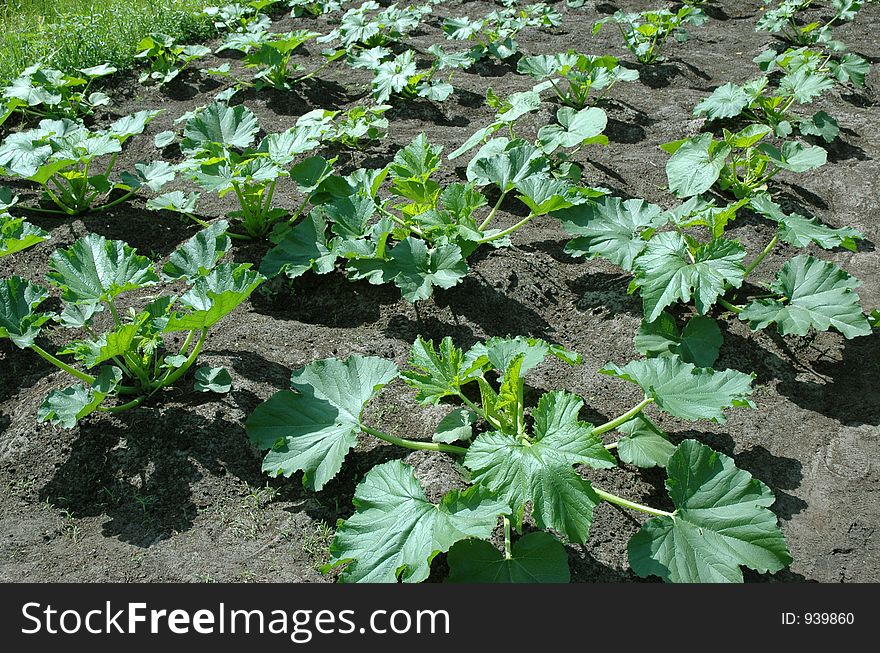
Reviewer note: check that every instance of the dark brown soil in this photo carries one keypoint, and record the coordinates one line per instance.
(173, 491)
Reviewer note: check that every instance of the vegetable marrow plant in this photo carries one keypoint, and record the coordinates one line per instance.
(645, 33)
(522, 462)
(125, 359)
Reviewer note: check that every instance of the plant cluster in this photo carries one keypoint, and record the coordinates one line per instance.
(521, 462)
(786, 19)
(166, 57)
(645, 34)
(574, 76)
(126, 359)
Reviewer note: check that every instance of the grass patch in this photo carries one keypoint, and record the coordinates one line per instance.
(74, 34)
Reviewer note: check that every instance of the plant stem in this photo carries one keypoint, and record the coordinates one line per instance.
(508, 554)
(172, 377)
(730, 307)
(625, 503)
(109, 205)
(760, 257)
(418, 232)
(413, 444)
(485, 223)
(623, 419)
(82, 376)
(508, 231)
(479, 411)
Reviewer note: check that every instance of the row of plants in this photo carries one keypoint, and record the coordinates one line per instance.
(399, 224)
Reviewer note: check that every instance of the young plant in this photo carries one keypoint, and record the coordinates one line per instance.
(646, 33)
(49, 93)
(358, 126)
(742, 162)
(15, 233)
(66, 160)
(573, 76)
(240, 16)
(495, 34)
(367, 27)
(784, 19)
(125, 360)
(808, 74)
(420, 236)
(521, 461)
(166, 57)
(299, 8)
(685, 255)
(399, 74)
(220, 157)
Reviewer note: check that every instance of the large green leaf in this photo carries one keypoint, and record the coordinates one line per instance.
(801, 231)
(198, 255)
(668, 272)
(303, 248)
(113, 343)
(19, 321)
(721, 522)
(542, 472)
(97, 269)
(795, 156)
(535, 558)
(726, 101)
(611, 228)
(16, 234)
(220, 125)
(23, 153)
(314, 428)
(684, 390)
(513, 164)
(396, 531)
(698, 342)
(416, 270)
(695, 165)
(438, 373)
(214, 296)
(815, 294)
(574, 128)
(643, 443)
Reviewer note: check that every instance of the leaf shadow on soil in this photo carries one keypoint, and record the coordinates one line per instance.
(19, 369)
(191, 83)
(141, 474)
(425, 111)
(842, 389)
(605, 295)
(657, 75)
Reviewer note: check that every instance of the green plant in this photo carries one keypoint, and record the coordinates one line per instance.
(49, 93)
(129, 357)
(783, 19)
(808, 75)
(64, 158)
(646, 33)
(313, 7)
(367, 27)
(166, 57)
(220, 157)
(573, 76)
(399, 75)
(742, 162)
(358, 125)
(517, 462)
(495, 34)
(240, 16)
(696, 260)
(421, 234)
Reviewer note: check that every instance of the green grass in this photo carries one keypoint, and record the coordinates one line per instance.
(73, 34)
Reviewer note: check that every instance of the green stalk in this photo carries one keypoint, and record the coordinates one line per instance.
(760, 257)
(82, 376)
(485, 223)
(413, 444)
(625, 503)
(119, 200)
(623, 419)
(123, 407)
(172, 377)
(478, 410)
(730, 307)
(508, 553)
(418, 232)
(508, 231)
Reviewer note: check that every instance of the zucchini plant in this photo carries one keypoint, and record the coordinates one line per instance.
(645, 34)
(573, 76)
(370, 25)
(399, 74)
(166, 58)
(49, 93)
(420, 235)
(494, 35)
(240, 16)
(299, 8)
(786, 19)
(520, 461)
(125, 360)
(808, 74)
(684, 255)
(67, 161)
(218, 144)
